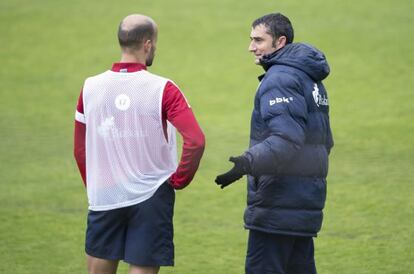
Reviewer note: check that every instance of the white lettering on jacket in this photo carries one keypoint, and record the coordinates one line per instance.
(279, 100)
(319, 99)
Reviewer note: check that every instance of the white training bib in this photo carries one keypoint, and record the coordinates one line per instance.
(127, 154)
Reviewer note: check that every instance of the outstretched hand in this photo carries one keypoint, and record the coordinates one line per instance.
(241, 167)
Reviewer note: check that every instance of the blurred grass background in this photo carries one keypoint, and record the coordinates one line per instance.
(48, 48)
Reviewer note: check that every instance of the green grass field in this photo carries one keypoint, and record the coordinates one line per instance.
(47, 48)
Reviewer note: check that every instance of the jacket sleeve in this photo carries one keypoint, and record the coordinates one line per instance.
(283, 108)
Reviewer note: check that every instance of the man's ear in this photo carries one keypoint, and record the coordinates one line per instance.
(147, 45)
(280, 42)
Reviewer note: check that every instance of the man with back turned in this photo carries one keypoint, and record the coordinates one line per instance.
(125, 147)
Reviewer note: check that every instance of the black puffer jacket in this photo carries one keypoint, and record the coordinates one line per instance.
(290, 141)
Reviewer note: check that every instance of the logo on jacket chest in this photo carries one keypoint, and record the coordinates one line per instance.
(319, 99)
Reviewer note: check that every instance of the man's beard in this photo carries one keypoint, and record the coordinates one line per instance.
(150, 58)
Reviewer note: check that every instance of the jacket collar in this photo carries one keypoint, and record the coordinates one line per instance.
(268, 60)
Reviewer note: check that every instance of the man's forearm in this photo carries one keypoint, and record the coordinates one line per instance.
(193, 148)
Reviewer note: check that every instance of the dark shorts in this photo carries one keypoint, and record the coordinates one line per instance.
(282, 254)
(141, 234)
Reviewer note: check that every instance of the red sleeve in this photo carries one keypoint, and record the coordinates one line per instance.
(177, 111)
(79, 139)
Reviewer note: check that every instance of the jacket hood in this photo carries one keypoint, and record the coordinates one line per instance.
(300, 56)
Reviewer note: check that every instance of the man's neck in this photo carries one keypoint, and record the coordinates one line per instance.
(132, 58)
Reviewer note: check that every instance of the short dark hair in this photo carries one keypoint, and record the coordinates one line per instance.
(277, 25)
(134, 37)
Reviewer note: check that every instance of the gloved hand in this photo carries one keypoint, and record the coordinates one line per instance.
(241, 167)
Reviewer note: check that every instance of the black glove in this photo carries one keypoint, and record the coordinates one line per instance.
(241, 167)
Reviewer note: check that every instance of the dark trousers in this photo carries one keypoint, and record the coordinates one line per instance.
(279, 254)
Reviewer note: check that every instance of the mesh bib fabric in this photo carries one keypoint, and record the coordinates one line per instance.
(127, 154)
